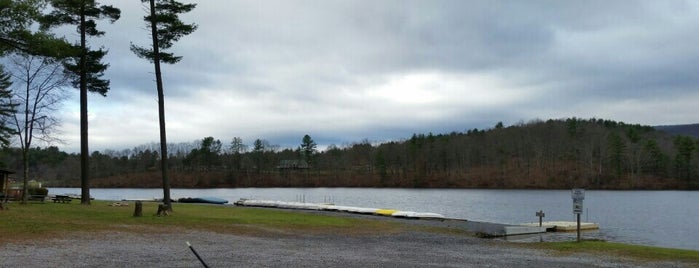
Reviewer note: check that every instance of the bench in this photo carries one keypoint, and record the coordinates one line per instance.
(62, 199)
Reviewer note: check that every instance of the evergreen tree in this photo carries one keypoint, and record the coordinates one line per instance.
(86, 67)
(7, 108)
(308, 149)
(16, 19)
(166, 28)
(258, 149)
(683, 159)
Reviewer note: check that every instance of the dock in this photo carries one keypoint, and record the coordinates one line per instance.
(484, 229)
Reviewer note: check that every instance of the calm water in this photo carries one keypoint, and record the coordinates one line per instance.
(657, 218)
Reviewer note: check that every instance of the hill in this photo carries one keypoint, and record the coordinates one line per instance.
(691, 130)
(552, 154)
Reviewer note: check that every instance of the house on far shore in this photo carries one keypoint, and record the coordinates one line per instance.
(292, 165)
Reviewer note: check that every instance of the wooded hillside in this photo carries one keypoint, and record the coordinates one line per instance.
(553, 154)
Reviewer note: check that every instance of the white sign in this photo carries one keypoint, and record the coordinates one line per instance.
(578, 206)
(578, 194)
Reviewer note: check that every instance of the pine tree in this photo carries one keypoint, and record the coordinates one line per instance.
(308, 149)
(166, 29)
(86, 67)
(7, 108)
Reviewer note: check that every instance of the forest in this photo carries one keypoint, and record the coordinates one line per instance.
(552, 154)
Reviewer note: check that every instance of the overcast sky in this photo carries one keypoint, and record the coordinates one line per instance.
(344, 71)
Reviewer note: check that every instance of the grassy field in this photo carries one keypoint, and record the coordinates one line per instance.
(50, 220)
(47, 220)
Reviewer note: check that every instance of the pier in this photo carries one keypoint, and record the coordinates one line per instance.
(485, 229)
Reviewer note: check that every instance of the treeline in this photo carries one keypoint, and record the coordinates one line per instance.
(553, 154)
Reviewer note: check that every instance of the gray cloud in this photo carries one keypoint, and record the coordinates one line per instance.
(343, 71)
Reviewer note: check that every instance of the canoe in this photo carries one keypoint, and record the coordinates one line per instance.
(207, 200)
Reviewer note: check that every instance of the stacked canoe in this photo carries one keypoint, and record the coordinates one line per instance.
(331, 207)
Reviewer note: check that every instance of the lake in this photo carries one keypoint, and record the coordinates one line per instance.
(656, 218)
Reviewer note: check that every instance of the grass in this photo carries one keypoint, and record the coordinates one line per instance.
(644, 253)
(50, 220)
(47, 220)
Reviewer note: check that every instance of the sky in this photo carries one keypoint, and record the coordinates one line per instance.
(347, 71)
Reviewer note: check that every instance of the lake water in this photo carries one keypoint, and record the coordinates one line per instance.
(656, 218)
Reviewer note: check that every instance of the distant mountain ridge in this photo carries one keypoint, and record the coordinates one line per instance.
(691, 130)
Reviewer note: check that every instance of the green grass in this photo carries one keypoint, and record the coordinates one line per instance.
(46, 220)
(645, 253)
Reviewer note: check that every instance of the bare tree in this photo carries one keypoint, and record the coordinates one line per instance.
(40, 89)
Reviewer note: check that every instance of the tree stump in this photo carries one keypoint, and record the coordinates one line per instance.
(162, 210)
(138, 211)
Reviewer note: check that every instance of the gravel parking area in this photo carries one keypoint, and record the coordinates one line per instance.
(405, 249)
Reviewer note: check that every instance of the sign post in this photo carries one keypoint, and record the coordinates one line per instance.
(578, 196)
(540, 214)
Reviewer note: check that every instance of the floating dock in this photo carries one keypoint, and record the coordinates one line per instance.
(485, 229)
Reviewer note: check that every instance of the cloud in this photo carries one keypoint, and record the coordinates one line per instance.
(343, 71)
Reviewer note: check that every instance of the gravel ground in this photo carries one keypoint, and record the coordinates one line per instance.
(406, 249)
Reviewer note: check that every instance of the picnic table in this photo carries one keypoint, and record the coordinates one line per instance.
(62, 199)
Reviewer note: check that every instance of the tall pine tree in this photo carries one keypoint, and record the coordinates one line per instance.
(166, 28)
(7, 108)
(86, 68)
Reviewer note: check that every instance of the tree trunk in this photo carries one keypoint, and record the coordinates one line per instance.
(161, 108)
(84, 152)
(138, 210)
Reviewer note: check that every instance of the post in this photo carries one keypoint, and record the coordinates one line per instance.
(138, 211)
(578, 226)
(578, 196)
(540, 214)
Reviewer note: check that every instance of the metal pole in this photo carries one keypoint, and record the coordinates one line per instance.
(578, 226)
(197, 254)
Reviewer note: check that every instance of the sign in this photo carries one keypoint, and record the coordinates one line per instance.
(578, 194)
(540, 214)
(578, 206)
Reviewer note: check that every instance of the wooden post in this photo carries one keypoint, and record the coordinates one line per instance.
(138, 211)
